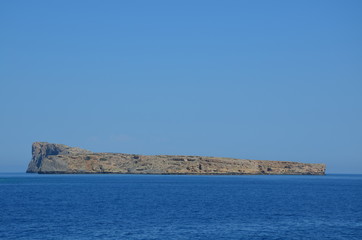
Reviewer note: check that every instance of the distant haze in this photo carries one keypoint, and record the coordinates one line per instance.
(267, 80)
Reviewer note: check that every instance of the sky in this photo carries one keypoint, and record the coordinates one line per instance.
(267, 80)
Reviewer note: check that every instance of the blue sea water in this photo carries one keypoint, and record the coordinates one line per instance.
(180, 207)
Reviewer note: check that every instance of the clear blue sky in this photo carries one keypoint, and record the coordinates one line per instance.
(273, 80)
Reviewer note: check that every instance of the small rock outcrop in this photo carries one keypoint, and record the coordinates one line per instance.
(59, 158)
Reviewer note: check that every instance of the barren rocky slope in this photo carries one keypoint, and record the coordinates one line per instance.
(59, 158)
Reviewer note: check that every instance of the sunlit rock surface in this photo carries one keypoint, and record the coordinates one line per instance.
(59, 158)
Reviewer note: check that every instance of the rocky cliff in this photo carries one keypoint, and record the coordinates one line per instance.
(59, 158)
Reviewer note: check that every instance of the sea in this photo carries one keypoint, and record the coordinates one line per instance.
(111, 206)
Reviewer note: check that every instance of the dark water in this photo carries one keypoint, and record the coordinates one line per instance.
(180, 207)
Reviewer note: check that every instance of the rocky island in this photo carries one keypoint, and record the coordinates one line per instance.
(59, 158)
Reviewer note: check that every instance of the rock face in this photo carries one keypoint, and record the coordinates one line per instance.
(59, 158)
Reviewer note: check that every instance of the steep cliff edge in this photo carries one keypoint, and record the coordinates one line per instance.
(59, 158)
(43, 160)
